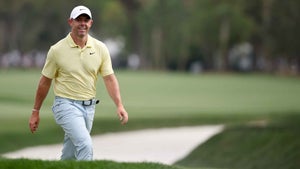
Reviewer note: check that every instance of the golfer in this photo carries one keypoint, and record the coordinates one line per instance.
(74, 64)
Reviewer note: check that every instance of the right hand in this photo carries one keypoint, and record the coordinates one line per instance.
(34, 121)
(123, 115)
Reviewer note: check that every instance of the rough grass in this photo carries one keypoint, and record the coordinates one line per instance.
(38, 164)
(269, 145)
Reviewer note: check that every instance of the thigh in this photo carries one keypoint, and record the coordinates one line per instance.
(90, 112)
(75, 129)
(71, 119)
(63, 110)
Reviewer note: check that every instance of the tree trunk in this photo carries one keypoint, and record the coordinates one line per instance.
(224, 40)
(131, 7)
(156, 41)
(266, 19)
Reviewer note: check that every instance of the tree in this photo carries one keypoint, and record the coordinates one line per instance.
(276, 29)
(131, 7)
(164, 33)
(218, 25)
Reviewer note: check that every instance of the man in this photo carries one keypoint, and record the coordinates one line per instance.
(74, 63)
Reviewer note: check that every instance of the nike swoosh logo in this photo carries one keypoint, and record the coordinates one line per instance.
(91, 53)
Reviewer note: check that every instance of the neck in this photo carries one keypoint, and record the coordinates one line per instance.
(80, 41)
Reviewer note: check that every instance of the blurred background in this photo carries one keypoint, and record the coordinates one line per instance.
(181, 35)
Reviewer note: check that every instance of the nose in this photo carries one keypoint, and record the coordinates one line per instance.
(82, 22)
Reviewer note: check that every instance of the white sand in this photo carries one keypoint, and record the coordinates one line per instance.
(164, 145)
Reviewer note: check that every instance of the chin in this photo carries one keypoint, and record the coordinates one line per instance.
(82, 34)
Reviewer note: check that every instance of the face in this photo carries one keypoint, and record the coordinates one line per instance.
(80, 26)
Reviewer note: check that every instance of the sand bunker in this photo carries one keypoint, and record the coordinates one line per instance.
(164, 145)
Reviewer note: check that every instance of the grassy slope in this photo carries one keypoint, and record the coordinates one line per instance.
(159, 100)
(272, 146)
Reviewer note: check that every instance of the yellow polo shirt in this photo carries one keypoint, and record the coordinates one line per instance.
(75, 70)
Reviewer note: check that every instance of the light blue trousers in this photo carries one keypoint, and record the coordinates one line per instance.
(76, 120)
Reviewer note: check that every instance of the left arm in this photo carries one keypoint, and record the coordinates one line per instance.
(113, 89)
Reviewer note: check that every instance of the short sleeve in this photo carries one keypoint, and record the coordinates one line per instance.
(106, 66)
(50, 67)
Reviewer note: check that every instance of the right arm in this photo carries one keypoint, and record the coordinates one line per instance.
(41, 93)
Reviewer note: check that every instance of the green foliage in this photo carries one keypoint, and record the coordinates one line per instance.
(284, 15)
(160, 32)
(112, 18)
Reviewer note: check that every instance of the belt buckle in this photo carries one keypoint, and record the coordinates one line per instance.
(87, 102)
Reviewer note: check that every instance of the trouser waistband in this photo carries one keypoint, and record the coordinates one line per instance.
(82, 102)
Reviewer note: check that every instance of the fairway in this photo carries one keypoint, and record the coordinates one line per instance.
(166, 94)
(161, 95)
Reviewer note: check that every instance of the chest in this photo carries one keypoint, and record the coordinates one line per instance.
(77, 60)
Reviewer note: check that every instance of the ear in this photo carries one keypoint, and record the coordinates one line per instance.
(70, 21)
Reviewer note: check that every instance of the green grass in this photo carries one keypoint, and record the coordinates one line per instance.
(275, 146)
(37, 164)
(160, 99)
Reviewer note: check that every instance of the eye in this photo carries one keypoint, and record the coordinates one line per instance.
(82, 20)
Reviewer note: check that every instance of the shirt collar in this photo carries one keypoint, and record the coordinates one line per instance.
(72, 44)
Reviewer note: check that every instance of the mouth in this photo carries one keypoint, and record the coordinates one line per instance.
(81, 29)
